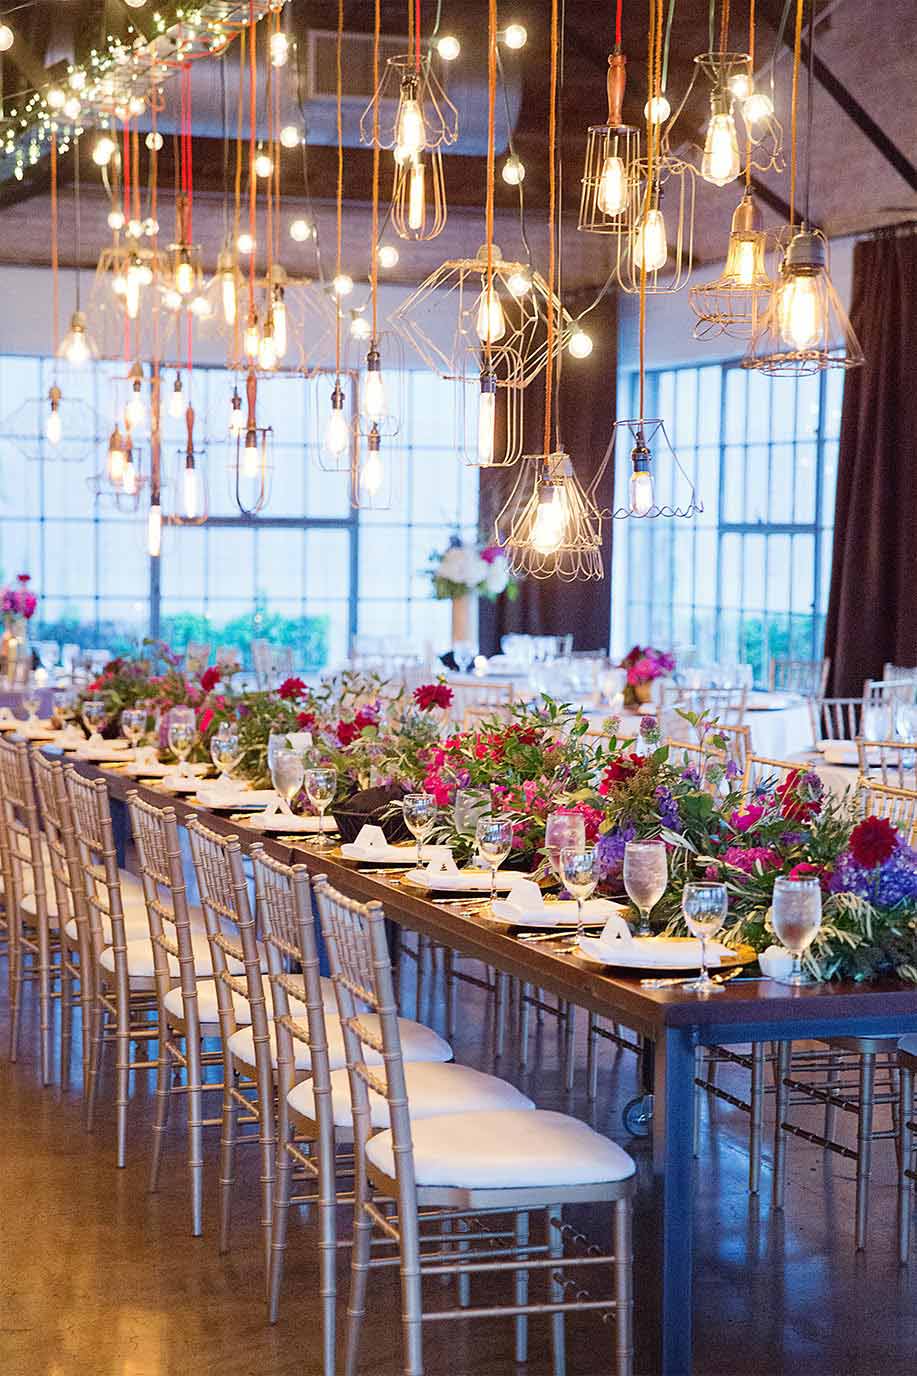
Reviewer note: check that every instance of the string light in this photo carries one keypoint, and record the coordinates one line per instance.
(290, 136)
(245, 244)
(342, 284)
(388, 256)
(513, 171)
(515, 36)
(103, 150)
(580, 344)
(300, 230)
(6, 38)
(280, 49)
(448, 47)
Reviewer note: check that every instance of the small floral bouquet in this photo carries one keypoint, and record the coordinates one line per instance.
(644, 665)
(17, 599)
(463, 569)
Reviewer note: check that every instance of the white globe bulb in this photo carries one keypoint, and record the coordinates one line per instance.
(6, 38)
(513, 171)
(580, 344)
(245, 244)
(103, 150)
(448, 47)
(289, 136)
(300, 230)
(115, 219)
(343, 284)
(657, 110)
(56, 98)
(515, 35)
(153, 141)
(264, 165)
(388, 256)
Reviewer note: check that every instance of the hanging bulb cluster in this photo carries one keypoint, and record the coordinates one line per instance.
(76, 346)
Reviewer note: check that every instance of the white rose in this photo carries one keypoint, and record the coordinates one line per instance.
(452, 565)
(497, 577)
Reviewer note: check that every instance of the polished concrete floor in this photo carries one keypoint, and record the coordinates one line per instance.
(98, 1278)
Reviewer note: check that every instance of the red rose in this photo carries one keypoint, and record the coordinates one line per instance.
(23, 578)
(305, 721)
(210, 678)
(873, 841)
(430, 695)
(367, 716)
(204, 723)
(624, 767)
(347, 732)
(292, 689)
(792, 807)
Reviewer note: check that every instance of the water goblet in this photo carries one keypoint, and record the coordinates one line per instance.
(645, 878)
(94, 715)
(287, 775)
(64, 704)
(31, 699)
(277, 740)
(563, 830)
(133, 724)
(226, 752)
(494, 836)
(182, 726)
(580, 869)
(420, 815)
(469, 805)
(321, 785)
(796, 918)
(704, 907)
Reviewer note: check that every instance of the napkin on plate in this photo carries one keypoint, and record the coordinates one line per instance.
(443, 873)
(213, 794)
(524, 905)
(843, 752)
(370, 845)
(108, 750)
(280, 821)
(646, 952)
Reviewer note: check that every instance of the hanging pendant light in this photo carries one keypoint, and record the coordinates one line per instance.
(728, 304)
(612, 154)
(657, 483)
(251, 468)
(190, 506)
(551, 527)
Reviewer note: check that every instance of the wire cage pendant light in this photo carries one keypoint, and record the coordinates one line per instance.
(728, 305)
(612, 154)
(251, 468)
(650, 492)
(189, 505)
(550, 527)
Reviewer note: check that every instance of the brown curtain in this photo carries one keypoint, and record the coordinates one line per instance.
(587, 413)
(872, 612)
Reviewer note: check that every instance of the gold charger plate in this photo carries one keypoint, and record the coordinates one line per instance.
(741, 955)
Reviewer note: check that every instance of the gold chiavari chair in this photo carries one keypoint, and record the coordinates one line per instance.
(478, 692)
(737, 745)
(34, 943)
(835, 719)
(477, 713)
(708, 762)
(463, 1171)
(888, 762)
(759, 769)
(807, 677)
(185, 990)
(721, 704)
(898, 805)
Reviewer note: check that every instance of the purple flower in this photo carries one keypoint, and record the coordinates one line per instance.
(732, 770)
(895, 881)
(691, 776)
(611, 848)
(668, 809)
(649, 729)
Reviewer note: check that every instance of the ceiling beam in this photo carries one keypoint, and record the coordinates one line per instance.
(25, 58)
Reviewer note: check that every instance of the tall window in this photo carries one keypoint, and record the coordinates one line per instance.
(748, 579)
(310, 570)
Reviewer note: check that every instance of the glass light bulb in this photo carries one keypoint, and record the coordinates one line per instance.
(300, 230)
(143, 272)
(757, 108)
(580, 344)
(264, 165)
(388, 256)
(657, 110)
(359, 326)
(135, 411)
(115, 219)
(176, 402)
(417, 207)
(251, 339)
(154, 531)
(448, 47)
(487, 419)
(75, 348)
(372, 473)
(184, 277)
(650, 247)
(641, 493)
(129, 478)
(251, 460)
(799, 311)
(103, 150)
(513, 171)
(337, 433)
(280, 327)
(289, 136)
(720, 163)
(548, 527)
(116, 460)
(741, 85)
(77, 80)
(201, 307)
(72, 107)
(245, 244)
(172, 299)
(132, 295)
(267, 352)
(56, 98)
(744, 261)
(280, 49)
(342, 284)
(53, 428)
(119, 284)
(519, 283)
(236, 418)
(228, 296)
(373, 394)
(612, 192)
(490, 322)
(515, 35)
(154, 141)
(192, 493)
(410, 135)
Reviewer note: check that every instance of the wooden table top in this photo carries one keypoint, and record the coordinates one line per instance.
(569, 976)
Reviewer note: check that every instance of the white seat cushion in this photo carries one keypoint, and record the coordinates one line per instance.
(208, 1007)
(136, 926)
(506, 1150)
(132, 901)
(420, 1044)
(433, 1089)
(140, 958)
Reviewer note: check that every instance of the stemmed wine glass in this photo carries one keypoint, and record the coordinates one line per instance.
(65, 704)
(288, 775)
(494, 836)
(796, 918)
(31, 700)
(133, 725)
(94, 715)
(580, 869)
(645, 877)
(225, 752)
(563, 831)
(419, 814)
(321, 785)
(277, 740)
(182, 735)
(704, 906)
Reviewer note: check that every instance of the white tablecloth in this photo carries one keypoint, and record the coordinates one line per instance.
(778, 734)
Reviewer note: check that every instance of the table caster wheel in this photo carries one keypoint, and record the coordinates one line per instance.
(638, 1115)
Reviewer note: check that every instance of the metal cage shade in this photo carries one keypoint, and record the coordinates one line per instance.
(550, 527)
(381, 385)
(642, 443)
(403, 79)
(662, 228)
(251, 469)
(728, 304)
(489, 423)
(376, 474)
(606, 197)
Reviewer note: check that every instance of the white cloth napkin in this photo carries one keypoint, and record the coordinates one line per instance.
(776, 962)
(844, 752)
(666, 953)
(108, 750)
(524, 905)
(371, 845)
(210, 795)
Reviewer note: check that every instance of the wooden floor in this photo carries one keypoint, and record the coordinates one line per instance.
(98, 1278)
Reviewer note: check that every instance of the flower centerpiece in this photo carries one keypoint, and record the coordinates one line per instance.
(644, 665)
(462, 574)
(17, 603)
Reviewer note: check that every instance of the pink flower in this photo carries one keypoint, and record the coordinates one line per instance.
(748, 858)
(204, 723)
(367, 716)
(749, 817)
(292, 689)
(347, 732)
(210, 678)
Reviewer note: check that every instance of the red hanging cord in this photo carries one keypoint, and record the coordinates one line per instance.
(417, 35)
(55, 264)
(618, 23)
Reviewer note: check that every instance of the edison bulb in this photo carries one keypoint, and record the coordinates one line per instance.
(612, 193)
(417, 208)
(136, 105)
(580, 344)
(337, 432)
(245, 244)
(251, 338)
(300, 230)
(744, 261)
(236, 418)
(359, 326)
(490, 321)
(515, 35)
(342, 284)
(720, 163)
(135, 411)
(448, 47)
(757, 108)
(641, 493)
(280, 49)
(6, 38)
(116, 458)
(513, 171)
(251, 461)
(103, 150)
(228, 295)
(519, 283)
(153, 141)
(150, 227)
(410, 134)
(154, 531)
(650, 248)
(56, 98)
(548, 527)
(201, 307)
(264, 165)
(171, 299)
(741, 85)
(192, 493)
(289, 136)
(388, 256)
(177, 400)
(115, 219)
(280, 326)
(184, 276)
(267, 351)
(799, 312)
(53, 428)
(374, 393)
(372, 473)
(132, 294)
(119, 284)
(657, 110)
(72, 107)
(75, 346)
(487, 418)
(129, 477)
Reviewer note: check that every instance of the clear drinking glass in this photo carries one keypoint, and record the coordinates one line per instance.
(277, 740)
(796, 918)
(321, 785)
(704, 907)
(580, 872)
(646, 874)
(65, 704)
(133, 724)
(31, 699)
(562, 831)
(288, 774)
(463, 652)
(95, 714)
(419, 815)
(494, 837)
(469, 806)
(226, 752)
(182, 734)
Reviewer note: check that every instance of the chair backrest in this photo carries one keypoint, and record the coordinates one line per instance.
(155, 832)
(700, 758)
(20, 833)
(56, 817)
(197, 654)
(477, 713)
(477, 692)
(892, 673)
(726, 705)
(881, 692)
(99, 874)
(228, 657)
(898, 805)
(362, 972)
(230, 927)
(287, 923)
(759, 770)
(895, 761)
(808, 677)
(835, 719)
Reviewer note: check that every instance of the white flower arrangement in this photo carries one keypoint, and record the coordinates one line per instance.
(463, 569)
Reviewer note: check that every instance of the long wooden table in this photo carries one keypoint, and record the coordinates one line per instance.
(676, 1022)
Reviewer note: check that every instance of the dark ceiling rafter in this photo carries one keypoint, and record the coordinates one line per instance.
(24, 57)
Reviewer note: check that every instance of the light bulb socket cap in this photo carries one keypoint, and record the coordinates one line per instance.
(720, 101)
(374, 439)
(337, 398)
(54, 396)
(410, 85)
(640, 454)
(747, 218)
(488, 384)
(177, 387)
(373, 361)
(806, 253)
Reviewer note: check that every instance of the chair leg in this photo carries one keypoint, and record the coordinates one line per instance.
(267, 1145)
(500, 1014)
(281, 1219)
(327, 1246)
(864, 1145)
(698, 1096)
(359, 1268)
(830, 1106)
(624, 1287)
(784, 1051)
(122, 1079)
(522, 1291)
(592, 1058)
(756, 1126)
(558, 1334)
(161, 1116)
(44, 1001)
(15, 989)
(905, 1162)
(97, 1031)
(195, 1132)
(227, 1153)
(449, 980)
(66, 1014)
(525, 1016)
(569, 1046)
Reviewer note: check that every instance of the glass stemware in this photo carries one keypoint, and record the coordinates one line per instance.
(704, 907)
(133, 724)
(182, 725)
(646, 874)
(95, 714)
(321, 785)
(226, 752)
(419, 814)
(463, 652)
(580, 867)
(277, 740)
(563, 831)
(469, 806)
(31, 699)
(494, 836)
(287, 775)
(796, 918)
(65, 704)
